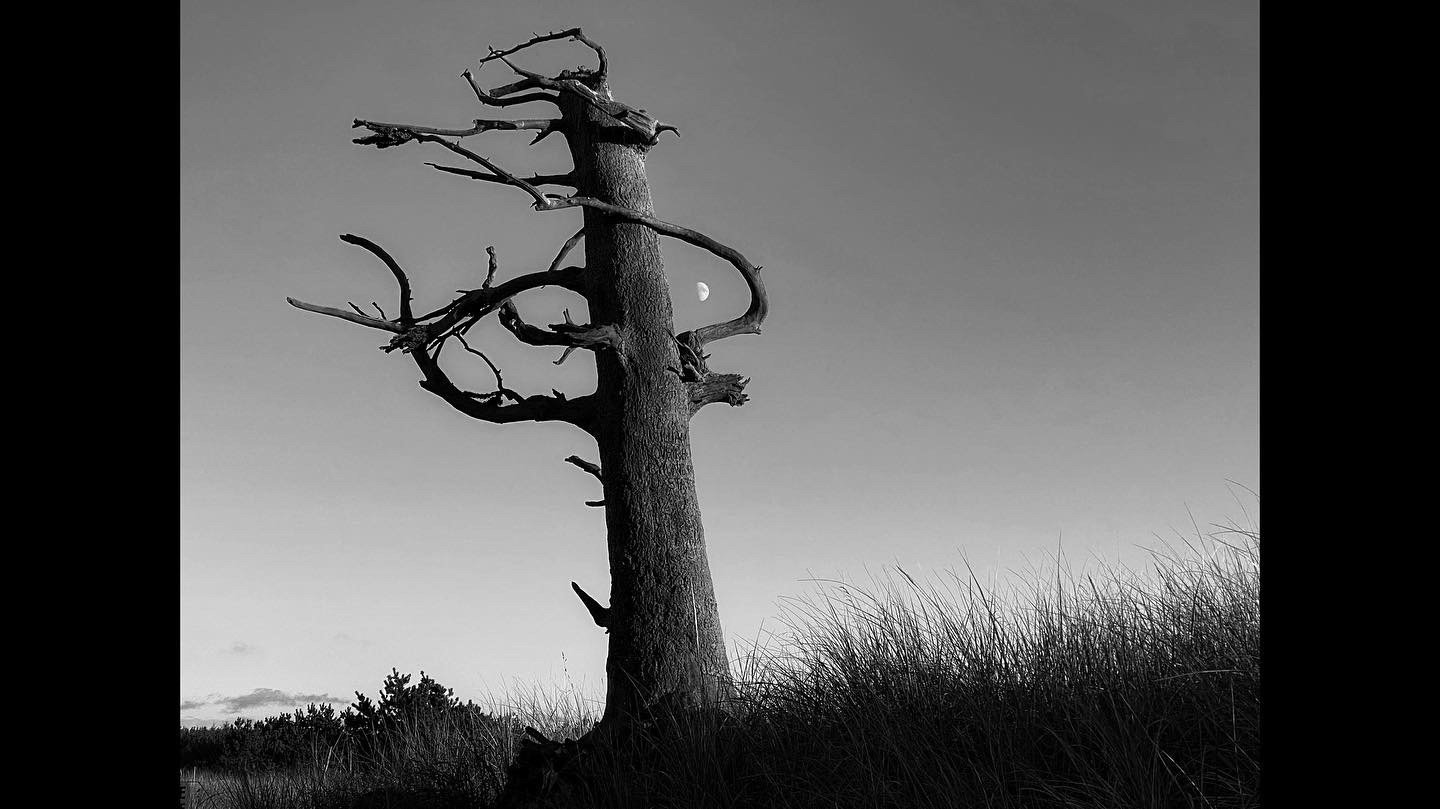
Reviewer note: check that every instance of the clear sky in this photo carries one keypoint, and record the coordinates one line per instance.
(1012, 254)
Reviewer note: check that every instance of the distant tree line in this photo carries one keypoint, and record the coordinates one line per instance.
(292, 739)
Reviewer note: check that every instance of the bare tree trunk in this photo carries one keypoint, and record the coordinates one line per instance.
(665, 636)
(666, 646)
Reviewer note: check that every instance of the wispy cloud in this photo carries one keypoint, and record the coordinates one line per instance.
(263, 698)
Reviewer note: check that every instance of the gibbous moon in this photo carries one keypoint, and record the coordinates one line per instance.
(702, 290)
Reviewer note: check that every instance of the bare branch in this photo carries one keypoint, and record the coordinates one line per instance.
(500, 388)
(747, 323)
(578, 83)
(478, 303)
(728, 388)
(567, 334)
(363, 320)
(574, 34)
(407, 317)
(387, 135)
(495, 101)
(636, 119)
(486, 407)
(490, 274)
(545, 133)
(517, 86)
(566, 248)
(597, 612)
(481, 125)
(592, 468)
(538, 179)
(415, 340)
(565, 355)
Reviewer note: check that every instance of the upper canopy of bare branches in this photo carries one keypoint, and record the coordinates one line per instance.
(425, 336)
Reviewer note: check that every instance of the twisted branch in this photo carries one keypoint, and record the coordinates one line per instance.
(486, 407)
(416, 339)
(575, 34)
(568, 334)
(727, 388)
(639, 120)
(747, 323)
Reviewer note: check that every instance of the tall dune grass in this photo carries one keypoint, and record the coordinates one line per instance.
(1117, 689)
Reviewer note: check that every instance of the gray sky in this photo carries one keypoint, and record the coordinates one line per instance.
(1012, 253)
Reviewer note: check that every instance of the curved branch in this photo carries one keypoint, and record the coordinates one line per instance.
(480, 302)
(407, 317)
(565, 334)
(487, 407)
(747, 323)
(574, 34)
(495, 101)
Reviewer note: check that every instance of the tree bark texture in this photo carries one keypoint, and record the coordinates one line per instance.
(665, 637)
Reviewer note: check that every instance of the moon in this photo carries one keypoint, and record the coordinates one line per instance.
(702, 290)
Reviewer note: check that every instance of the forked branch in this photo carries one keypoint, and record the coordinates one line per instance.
(568, 334)
(487, 407)
(727, 388)
(353, 317)
(478, 303)
(500, 390)
(416, 338)
(748, 322)
(587, 84)
(639, 120)
(387, 135)
(575, 34)
(496, 101)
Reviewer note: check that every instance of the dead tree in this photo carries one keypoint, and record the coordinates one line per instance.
(663, 623)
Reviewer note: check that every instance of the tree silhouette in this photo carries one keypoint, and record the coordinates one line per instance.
(665, 640)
